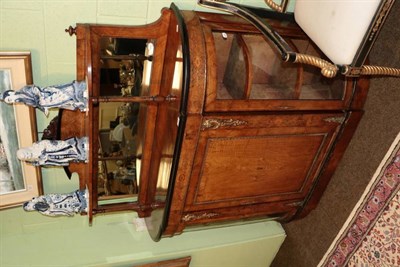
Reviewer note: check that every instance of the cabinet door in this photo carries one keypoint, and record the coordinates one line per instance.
(248, 74)
(243, 160)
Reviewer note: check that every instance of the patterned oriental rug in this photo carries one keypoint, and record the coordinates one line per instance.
(371, 234)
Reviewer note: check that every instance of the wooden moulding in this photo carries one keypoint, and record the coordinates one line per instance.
(331, 164)
(193, 120)
(181, 262)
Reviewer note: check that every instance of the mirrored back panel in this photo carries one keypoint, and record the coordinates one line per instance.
(118, 149)
(125, 73)
(125, 65)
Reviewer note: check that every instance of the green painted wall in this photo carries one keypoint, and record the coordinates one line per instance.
(30, 239)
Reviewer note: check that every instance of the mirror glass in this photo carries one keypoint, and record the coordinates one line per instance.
(125, 63)
(125, 70)
(118, 150)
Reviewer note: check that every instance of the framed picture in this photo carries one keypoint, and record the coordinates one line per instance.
(19, 181)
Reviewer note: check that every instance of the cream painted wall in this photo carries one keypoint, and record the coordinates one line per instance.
(30, 239)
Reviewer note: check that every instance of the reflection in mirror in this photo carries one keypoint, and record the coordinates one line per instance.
(118, 146)
(123, 62)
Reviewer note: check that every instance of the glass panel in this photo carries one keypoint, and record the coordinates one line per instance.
(248, 67)
(231, 67)
(313, 84)
(124, 65)
(169, 138)
(272, 78)
(12, 177)
(119, 149)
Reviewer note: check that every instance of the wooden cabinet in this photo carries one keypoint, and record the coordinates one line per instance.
(222, 131)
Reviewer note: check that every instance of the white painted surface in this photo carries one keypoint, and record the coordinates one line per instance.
(337, 27)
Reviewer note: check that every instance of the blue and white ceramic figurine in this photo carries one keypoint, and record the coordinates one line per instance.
(59, 204)
(70, 96)
(55, 152)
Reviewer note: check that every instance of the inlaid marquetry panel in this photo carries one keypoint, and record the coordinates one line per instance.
(257, 166)
(268, 158)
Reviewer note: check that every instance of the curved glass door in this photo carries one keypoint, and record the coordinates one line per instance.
(170, 125)
(248, 67)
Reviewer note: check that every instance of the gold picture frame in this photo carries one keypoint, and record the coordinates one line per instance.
(19, 181)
